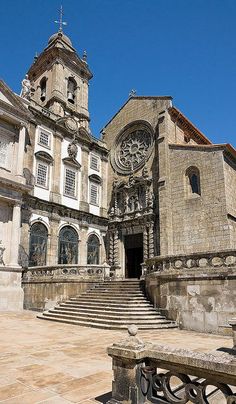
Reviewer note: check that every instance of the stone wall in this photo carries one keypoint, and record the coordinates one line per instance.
(199, 222)
(46, 286)
(45, 295)
(198, 291)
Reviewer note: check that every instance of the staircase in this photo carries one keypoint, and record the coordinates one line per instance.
(110, 305)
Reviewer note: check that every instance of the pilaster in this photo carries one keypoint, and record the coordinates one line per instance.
(84, 179)
(55, 195)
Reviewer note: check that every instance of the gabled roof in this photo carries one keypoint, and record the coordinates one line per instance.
(186, 125)
(165, 97)
(226, 147)
(11, 103)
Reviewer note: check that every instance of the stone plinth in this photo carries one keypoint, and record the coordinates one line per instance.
(11, 293)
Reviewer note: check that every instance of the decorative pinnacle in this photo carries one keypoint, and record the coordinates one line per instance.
(60, 21)
(85, 56)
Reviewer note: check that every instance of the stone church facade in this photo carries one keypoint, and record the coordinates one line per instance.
(153, 196)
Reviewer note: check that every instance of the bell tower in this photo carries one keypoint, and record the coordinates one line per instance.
(59, 78)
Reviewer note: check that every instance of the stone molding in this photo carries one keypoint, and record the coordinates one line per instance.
(196, 261)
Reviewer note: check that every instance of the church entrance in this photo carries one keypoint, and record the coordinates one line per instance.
(133, 255)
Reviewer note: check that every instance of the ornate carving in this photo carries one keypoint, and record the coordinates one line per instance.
(72, 150)
(2, 249)
(71, 124)
(132, 148)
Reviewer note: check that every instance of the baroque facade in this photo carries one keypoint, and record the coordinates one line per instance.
(153, 186)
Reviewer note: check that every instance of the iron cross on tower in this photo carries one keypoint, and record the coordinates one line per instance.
(61, 22)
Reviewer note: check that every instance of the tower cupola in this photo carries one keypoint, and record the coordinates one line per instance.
(59, 78)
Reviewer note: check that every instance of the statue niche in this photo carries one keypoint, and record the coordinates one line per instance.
(132, 198)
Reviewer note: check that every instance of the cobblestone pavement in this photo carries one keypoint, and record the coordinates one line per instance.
(53, 363)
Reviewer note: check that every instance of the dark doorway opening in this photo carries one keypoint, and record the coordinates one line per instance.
(133, 255)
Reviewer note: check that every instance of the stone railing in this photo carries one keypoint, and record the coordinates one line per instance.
(222, 259)
(66, 272)
(148, 373)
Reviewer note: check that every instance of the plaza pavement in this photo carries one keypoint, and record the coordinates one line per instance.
(53, 363)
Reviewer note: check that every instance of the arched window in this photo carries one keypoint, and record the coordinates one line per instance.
(38, 245)
(43, 88)
(193, 180)
(93, 250)
(68, 246)
(71, 88)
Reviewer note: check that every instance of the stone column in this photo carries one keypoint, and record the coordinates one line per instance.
(232, 322)
(84, 205)
(15, 235)
(151, 240)
(145, 243)
(21, 152)
(111, 249)
(55, 195)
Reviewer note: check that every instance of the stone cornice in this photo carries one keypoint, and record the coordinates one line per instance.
(54, 55)
(187, 126)
(64, 211)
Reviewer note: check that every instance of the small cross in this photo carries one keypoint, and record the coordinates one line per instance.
(61, 22)
(132, 93)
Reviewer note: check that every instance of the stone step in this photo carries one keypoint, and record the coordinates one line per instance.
(110, 299)
(104, 325)
(110, 304)
(105, 315)
(120, 310)
(62, 314)
(109, 292)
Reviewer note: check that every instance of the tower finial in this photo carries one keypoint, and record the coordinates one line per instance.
(60, 21)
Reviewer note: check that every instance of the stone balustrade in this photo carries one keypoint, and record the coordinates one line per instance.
(67, 272)
(161, 374)
(222, 259)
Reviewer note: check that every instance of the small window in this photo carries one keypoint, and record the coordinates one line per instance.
(70, 182)
(44, 138)
(42, 174)
(94, 163)
(93, 193)
(193, 181)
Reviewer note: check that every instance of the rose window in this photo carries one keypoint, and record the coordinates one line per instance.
(133, 148)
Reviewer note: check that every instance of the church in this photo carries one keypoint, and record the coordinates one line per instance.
(153, 199)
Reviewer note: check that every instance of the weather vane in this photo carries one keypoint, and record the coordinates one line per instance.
(61, 22)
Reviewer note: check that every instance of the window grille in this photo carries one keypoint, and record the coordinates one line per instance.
(42, 174)
(94, 163)
(44, 138)
(70, 182)
(94, 194)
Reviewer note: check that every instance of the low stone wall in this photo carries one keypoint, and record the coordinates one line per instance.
(198, 291)
(44, 287)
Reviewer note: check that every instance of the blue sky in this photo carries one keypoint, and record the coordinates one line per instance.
(183, 48)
